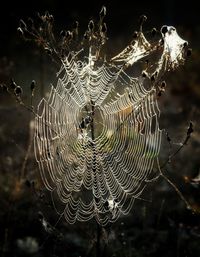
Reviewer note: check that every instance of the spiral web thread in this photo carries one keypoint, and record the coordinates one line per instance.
(97, 134)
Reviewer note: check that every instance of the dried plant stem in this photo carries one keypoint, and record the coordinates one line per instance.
(176, 152)
(22, 172)
(175, 188)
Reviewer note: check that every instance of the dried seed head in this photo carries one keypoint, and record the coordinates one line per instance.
(75, 25)
(153, 32)
(135, 34)
(190, 129)
(68, 35)
(18, 91)
(85, 36)
(48, 50)
(143, 18)
(91, 26)
(163, 84)
(63, 33)
(33, 85)
(102, 13)
(189, 52)
(51, 19)
(185, 44)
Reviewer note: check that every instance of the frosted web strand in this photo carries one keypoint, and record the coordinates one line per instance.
(120, 166)
(97, 134)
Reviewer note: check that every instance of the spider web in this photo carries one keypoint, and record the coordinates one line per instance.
(97, 135)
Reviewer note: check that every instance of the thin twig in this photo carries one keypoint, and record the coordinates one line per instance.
(176, 152)
(22, 173)
(189, 207)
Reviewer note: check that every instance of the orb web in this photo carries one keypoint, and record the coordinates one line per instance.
(97, 133)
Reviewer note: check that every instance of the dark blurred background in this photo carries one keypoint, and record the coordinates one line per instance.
(159, 226)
